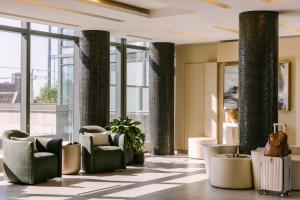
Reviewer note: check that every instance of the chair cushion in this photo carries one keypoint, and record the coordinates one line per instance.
(29, 138)
(45, 166)
(100, 138)
(107, 158)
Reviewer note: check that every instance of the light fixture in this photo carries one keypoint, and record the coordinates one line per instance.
(217, 3)
(55, 7)
(188, 35)
(273, 1)
(290, 27)
(140, 37)
(117, 5)
(39, 19)
(227, 29)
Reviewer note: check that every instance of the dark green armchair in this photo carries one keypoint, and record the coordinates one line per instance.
(102, 158)
(24, 165)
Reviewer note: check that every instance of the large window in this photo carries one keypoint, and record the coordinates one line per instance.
(37, 67)
(49, 105)
(51, 110)
(138, 87)
(10, 81)
(114, 83)
(129, 81)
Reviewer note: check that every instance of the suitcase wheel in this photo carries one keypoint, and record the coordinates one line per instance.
(282, 195)
(262, 192)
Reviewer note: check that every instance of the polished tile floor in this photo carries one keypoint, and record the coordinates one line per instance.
(171, 177)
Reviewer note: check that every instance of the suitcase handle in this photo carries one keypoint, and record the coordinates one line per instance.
(278, 125)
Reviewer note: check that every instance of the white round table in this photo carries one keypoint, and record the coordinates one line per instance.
(230, 172)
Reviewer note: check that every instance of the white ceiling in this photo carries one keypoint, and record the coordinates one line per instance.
(178, 21)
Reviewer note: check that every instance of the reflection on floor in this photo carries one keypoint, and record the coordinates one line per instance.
(162, 177)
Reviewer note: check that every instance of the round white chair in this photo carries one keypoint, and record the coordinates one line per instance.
(231, 173)
(210, 150)
(195, 146)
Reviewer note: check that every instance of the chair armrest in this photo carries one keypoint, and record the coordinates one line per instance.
(18, 160)
(87, 156)
(52, 145)
(118, 140)
(86, 142)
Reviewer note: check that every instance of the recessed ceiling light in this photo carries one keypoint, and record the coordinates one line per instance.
(140, 37)
(188, 35)
(227, 29)
(290, 27)
(272, 1)
(217, 3)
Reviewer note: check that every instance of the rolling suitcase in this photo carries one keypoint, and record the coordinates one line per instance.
(276, 175)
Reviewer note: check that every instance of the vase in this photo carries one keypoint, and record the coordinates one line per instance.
(232, 115)
(139, 158)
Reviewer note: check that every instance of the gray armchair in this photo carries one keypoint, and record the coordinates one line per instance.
(23, 165)
(102, 158)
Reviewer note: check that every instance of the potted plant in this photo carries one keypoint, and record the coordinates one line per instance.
(135, 139)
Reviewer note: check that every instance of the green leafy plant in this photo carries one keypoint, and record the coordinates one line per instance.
(135, 139)
(48, 95)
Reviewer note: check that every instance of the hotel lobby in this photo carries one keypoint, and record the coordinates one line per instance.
(160, 99)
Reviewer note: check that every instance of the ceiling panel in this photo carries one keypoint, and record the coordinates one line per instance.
(188, 21)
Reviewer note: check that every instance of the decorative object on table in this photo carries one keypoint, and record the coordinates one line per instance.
(231, 86)
(232, 115)
(71, 156)
(283, 86)
(99, 158)
(277, 145)
(26, 166)
(135, 139)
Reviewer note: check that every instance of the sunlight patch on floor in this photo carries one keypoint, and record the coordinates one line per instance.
(43, 198)
(143, 190)
(137, 177)
(76, 189)
(189, 179)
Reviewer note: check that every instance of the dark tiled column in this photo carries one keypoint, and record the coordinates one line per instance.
(258, 57)
(161, 93)
(94, 78)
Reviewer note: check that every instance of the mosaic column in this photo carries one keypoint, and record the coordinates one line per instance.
(161, 94)
(258, 59)
(94, 77)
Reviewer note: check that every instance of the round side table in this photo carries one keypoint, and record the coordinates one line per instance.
(70, 158)
(231, 172)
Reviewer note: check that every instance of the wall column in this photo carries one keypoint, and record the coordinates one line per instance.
(94, 77)
(161, 94)
(258, 58)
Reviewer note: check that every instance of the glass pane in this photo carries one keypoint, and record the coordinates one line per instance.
(137, 87)
(10, 22)
(114, 86)
(51, 110)
(52, 29)
(115, 39)
(137, 43)
(10, 82)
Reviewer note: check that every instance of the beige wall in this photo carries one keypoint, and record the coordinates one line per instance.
(227, 52)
